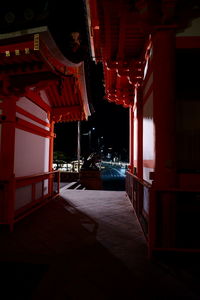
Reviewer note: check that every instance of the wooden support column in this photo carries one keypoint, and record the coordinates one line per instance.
(140, 133)
(164, 106)
(7, 155)
(139, 204)
(164, 112)
(51, 147)
(8, 139)
(131, 139)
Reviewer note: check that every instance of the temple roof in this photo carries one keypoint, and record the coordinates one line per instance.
(31, 65)
(120, 34)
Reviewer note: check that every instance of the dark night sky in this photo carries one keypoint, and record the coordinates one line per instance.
(110, 122)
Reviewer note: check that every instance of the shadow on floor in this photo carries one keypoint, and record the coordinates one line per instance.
(113, 184)
(54, 254)
(19, 279)
(51, 255)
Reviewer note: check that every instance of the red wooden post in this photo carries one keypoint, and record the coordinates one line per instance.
(51, 146)
(164, 106)
(164, 117)
(7, 158)
(8, 139)
(140, 150)
(140, 134)
(131, 139)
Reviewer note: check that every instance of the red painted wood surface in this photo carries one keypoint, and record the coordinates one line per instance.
(38, 65)
(164, 107)
(35, 70)
(138, 44)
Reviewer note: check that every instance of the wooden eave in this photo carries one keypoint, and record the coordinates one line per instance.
(32, 62)
(121, 30)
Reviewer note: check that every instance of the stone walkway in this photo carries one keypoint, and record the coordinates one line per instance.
(85, 245)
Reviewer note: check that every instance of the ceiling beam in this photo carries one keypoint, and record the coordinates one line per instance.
(66, 110)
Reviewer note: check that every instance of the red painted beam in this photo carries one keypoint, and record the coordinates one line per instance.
(31, 116)
(19, 46)
(66, 110)
(164, 115)
(35, 98)
(32, 128)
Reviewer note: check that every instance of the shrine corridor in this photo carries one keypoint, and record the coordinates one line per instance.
(87, 245)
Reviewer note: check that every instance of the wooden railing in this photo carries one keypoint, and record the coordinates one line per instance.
(138, 192)
(7, 194)
(22, 195)
(169, 217)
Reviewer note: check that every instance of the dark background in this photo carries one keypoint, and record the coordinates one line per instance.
(62, 18)
(111, 131)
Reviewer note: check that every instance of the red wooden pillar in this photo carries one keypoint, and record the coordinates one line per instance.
(139, 204)
(131, 139)
(140, 133)
(8, 139)
(51, 147)
(164, 110)
(7, 155)
(164, 106)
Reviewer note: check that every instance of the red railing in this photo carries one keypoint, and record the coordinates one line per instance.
(138, 192)
(7, 195)
(169, 217)
(22, 195)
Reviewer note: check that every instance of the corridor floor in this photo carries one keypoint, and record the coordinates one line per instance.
(85, 245)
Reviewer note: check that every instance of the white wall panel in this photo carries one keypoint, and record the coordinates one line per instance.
(135, 139)
(31, 121)
(31, 153)
(43, 95)
(32, 108)
(148, 138)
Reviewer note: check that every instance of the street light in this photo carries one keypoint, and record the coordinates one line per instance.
(78, 145)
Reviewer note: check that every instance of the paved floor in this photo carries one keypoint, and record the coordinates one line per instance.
(85, 245)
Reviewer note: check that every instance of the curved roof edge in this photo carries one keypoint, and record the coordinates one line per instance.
(56, 59)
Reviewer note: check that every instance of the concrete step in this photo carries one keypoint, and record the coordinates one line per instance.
(75, 185)
(80, 187)
(67, 186)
